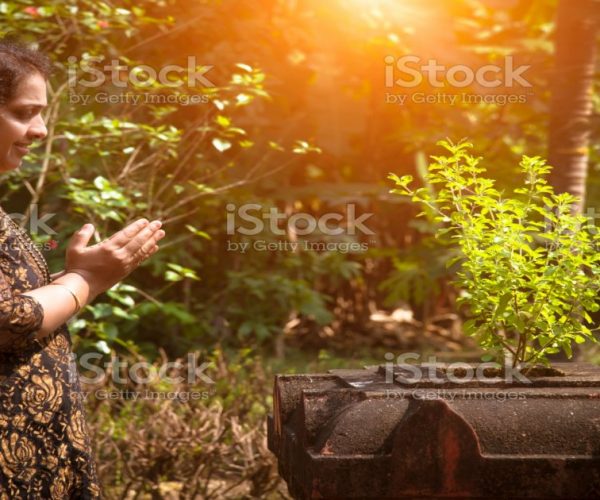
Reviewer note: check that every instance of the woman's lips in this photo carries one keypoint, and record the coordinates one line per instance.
(22, 149)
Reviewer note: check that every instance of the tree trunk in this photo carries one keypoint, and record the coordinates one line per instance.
(571, 104)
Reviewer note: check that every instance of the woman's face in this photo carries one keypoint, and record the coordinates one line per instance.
(21, 122)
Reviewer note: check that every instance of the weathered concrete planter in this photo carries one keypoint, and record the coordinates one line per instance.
(362, 434)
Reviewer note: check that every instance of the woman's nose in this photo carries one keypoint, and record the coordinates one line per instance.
(37, 129)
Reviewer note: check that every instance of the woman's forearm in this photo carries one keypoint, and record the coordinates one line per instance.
(58, 303)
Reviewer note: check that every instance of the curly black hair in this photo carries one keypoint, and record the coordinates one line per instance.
(18, 61)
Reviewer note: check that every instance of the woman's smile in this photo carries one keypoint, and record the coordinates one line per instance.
(21, 148)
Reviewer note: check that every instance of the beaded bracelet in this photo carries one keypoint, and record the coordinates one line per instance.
(77, 303)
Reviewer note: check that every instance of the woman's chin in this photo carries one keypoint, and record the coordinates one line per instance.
(8, 167)
(11, 163)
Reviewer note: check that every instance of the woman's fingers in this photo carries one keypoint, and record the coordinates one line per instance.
(143, 237)
(124, 236)
(81, 238)
(149, 247)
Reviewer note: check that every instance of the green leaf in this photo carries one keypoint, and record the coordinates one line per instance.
(172, 276)
(224, 121)
(197, 232)
(502, 303)
(245, 67)
(221, 145)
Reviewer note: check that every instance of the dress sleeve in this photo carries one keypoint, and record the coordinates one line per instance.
(20, 317)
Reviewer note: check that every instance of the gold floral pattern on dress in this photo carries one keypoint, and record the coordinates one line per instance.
(77, 431)
(17, 457)
(45, 450)
(42, 397)
(50, 462)
(19, 422)
(62, 484)
(58, 344)
(25, 370)
(21, 274)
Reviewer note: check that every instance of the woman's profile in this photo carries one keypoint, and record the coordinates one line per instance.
(44, 444)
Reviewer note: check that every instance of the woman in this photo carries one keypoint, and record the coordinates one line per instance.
(44, 445)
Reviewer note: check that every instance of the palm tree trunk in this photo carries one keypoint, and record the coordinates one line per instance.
(571, 104)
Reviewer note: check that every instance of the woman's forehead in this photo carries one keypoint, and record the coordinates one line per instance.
(31, 91)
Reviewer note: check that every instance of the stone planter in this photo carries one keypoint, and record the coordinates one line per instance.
(370, 434)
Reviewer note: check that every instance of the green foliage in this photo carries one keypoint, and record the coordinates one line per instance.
(155, 155)
(417, 274)
(529, 266)
(253, 138)
(262, 304)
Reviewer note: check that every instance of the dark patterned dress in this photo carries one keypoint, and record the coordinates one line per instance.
(45, 450)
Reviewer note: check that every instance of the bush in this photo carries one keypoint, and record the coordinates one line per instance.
(529, 265)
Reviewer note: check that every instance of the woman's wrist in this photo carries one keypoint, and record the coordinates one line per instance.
(80, 285)
(71, 293)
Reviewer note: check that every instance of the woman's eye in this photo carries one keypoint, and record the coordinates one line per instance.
(25, 114)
